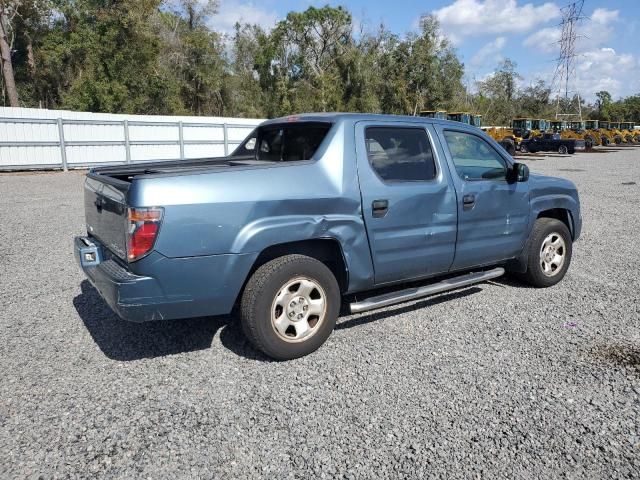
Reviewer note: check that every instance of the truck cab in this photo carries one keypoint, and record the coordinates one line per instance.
(521, 125)
(437, 114)
(539, 125)
(462, 117)
(558, 125)
(577, 127)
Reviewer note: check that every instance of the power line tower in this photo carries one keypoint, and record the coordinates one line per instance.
(568, 105)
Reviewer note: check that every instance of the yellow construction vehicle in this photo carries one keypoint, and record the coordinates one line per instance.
(573, 131)
(630, 133)
(605, 129)
(539, 126)
(558, 126)
(529, 127)
(438, 114)
(462, 117)
(614, 128)
(599, 129)
(521, 127)
(592, 132)
(505, 137)
(579, 129)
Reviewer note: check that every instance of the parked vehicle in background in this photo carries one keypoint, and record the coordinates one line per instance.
(552, 142)
(629, 133)
(438, 114)
(311, 211)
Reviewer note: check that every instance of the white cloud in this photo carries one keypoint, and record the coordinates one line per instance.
(464, 18)
(594, 32)
(545, 39)
(605, 69)
(604, 16)
(489, 53)
(231, 12)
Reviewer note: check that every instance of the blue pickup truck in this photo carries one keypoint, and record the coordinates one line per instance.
(311, 215)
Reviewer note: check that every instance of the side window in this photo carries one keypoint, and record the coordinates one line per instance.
(248, 148)
(271, 145)
(400, 154)
(474, 158)
(284, 143)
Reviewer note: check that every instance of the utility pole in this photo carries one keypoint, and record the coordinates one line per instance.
(568, 105)
(5, 56)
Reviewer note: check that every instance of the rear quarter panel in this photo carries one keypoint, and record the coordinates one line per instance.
(244, 211)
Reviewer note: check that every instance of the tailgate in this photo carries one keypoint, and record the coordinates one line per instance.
(105, 206)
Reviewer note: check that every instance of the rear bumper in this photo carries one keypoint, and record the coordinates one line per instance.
(173, 288)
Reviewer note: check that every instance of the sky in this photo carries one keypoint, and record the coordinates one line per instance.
(484, 32)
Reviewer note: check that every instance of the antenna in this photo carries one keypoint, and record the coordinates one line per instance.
(564, 77)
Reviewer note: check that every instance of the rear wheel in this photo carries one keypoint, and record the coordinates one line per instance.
(289, 306)
(563, 149)
(617, 139)
(550, 249)
(589, 142)
(524, 148)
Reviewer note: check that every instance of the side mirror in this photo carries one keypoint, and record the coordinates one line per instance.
(520, 172)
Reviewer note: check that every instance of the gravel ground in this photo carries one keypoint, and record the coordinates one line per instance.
(493, 381)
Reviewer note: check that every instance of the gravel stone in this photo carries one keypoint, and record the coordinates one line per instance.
(493, 381)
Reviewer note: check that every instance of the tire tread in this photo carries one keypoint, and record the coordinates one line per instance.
(255, 288)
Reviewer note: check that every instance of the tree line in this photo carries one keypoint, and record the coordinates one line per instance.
(162, 57)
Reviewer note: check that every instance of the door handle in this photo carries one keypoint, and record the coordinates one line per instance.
(380, 208)
(468, 201)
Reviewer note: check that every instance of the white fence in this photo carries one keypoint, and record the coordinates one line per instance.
(44, 139)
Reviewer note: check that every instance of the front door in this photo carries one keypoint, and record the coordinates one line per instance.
(409, 204)
(493, 213)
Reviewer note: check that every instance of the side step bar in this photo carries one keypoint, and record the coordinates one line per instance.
(409, 294)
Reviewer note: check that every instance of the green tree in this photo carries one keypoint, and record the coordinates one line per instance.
(603, 104)
(499, 93)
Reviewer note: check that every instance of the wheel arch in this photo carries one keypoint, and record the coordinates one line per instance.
(326, 250)
(562, 214)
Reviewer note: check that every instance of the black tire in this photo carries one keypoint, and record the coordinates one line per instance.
(589, 142)
(542, 229)
(260, 294)
(617, 139)
(509, 146)
(605, 140)
(524, 148)
(563, 150)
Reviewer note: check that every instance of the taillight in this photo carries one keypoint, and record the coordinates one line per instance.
(143, 225)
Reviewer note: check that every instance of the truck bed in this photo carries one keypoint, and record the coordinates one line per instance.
(126, 173)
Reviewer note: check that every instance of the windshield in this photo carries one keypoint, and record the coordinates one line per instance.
(283, 142)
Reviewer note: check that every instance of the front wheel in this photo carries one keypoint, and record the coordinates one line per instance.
(563, 149)
(550, 248)
(523, 148)
(290, 306)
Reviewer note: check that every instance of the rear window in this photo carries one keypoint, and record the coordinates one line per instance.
(283, 143)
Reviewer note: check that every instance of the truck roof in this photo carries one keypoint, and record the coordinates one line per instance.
(358, 117)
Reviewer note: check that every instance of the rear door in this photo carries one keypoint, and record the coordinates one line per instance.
(493, 214)
(408, 201)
